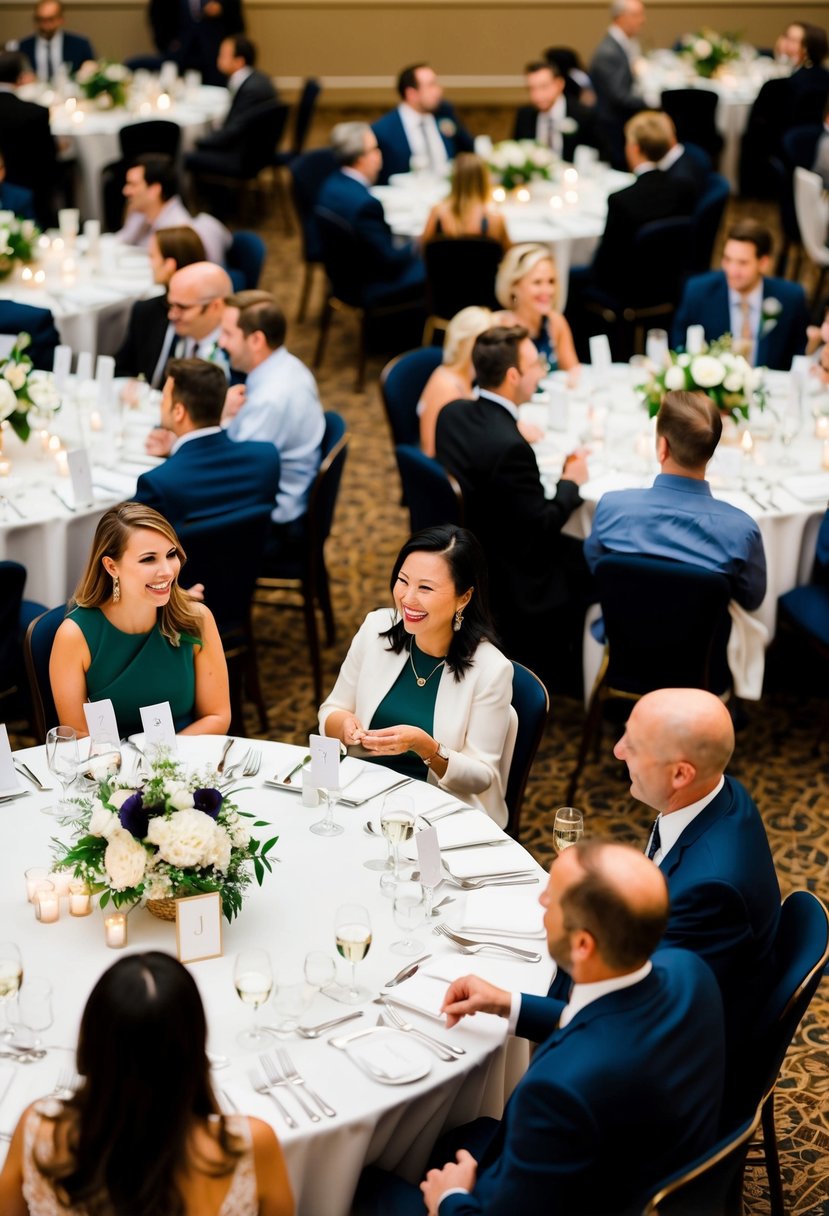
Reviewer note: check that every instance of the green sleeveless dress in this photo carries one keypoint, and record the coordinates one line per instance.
(137, 669)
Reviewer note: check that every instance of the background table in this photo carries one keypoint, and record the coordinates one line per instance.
(290, 915)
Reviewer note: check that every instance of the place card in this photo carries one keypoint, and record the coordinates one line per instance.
(83, 371)
(80, 472)
(558, 410)
(600, 357)
(428, 855)
(62, 366)
(199, 927)
(694, 339)
(100, 720)
(8, 775)
(159, 728)
(104, 375)
(325, 762)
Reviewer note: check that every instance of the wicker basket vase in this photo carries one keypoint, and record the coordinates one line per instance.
(164, 909)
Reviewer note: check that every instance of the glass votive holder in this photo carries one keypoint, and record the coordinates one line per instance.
(47, 903)
(35, 875)
(80, 899)
(115, 930)
(61, 881)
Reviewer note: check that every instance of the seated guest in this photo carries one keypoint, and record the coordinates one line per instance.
(423, 125)
(191, 34)
(611, 73)
(278, 405)
(468, 211)
(767, 317)
(577, 84)
(677, 517)
(527, 288)
(455, 376)
(206, 473)
(26, 141)
(221, 149)
(387, 271)
(134, 637)
(538, 579)
(15, 198)
(170, 249)
(52, 45)
(423, 689)
(143, 1022)
(634, 1058)
(38, 323)
(553, 118)
(152, 191)
(689, 162)
(195, 303)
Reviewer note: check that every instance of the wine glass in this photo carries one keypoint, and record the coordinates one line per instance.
(104, 760)
(397, 823)
(568, 827)
(253, 980)
(789, 418)
(353, 936)
(320, 970)
(409, 914)
(11, 977)
(63, 762)
(326, 826)
(33, 1012)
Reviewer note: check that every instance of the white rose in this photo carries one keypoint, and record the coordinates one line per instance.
(707, 371)
(15, 373)
(218, 853)
(754, 378)
(733, 382)
(674, 378)
(104, 102)
(684, 360)
(702, 48)
(4, 240)
(125, 861)
(43, 395)
(116, 72)
(118, 797)
(184, 839)
(8, 401)
(772, 307)
(103, 822)
(515, 156)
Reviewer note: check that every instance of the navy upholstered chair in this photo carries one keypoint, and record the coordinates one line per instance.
(531, 702)
(711, 1185)
(37, 650)
(804, 611)
(308, 172)
(245, 259)
(432, 495)
(402, 382)
(460, 271)
(693, 112)
(706, 221)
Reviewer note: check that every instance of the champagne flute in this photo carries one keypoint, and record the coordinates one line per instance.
(397, 823)
(253, 980)
(11, 977)
(568, 828)
(353, 936)
(63, 762)
(409, 914)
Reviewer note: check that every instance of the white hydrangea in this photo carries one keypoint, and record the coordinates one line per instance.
(514, 155)
(218, 854)
(102, 821)
(674, 378)
(179, 794)
(733, 382)
(42, 391)
(753, 378)
(116, 72)
(702, 48)
(184, 839)
(707, 371)
(239, 834)
(125, 861)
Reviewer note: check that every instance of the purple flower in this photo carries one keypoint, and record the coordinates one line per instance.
(134, 816)
(209, 801)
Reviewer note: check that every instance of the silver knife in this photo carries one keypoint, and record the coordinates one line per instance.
(407, 972)
(474, 844)
(220, 767)
(27, 772)
(72, 510)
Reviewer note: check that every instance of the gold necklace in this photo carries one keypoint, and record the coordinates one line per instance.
(421, 680)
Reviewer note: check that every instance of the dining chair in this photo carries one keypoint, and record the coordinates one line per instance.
(712, 1185)
(157, 135)
(308, 172)
(531, 702)
(282, 160)
(693, 112)
(812, 209)
(706, 221)
(245, 259)
(460, 271)
(240, 171)
(402, 382)
(804, 613)
(15, 615)
(37, 650)
(432, 495)
(306, 575)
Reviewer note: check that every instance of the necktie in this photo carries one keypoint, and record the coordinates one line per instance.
(427, 143)
(746, 333)
(655, 843)
(157, 378)
(550, 132)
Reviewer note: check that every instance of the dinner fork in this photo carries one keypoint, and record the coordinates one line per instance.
(64, 1087)
(518, 878)
(278, 1077)
(293, 1076)
(268, 1091)
(233, 770)
(468, 945)
(446, 1051)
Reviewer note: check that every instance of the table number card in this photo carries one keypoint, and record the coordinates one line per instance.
(159, 728)
(199, 927)
(104, 374)
(83, 371)
(8, 776)
(558, 410)
(428, 856)
(61, 366)
(81, 473)
(600, 358)
(325, 762)
(101, 720)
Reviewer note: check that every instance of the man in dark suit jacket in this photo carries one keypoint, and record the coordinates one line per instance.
(15, 198)
(52, 45)
(538, 578)
(139, 352)
(206, 473)
(639, 1065)
(553, 119)
(767, 316)
(25, 139)
(423, 125)
(611, 73)
(191, 32)
(38, 323)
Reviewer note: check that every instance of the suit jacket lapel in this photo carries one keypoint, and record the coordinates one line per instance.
(721, 313)
(767, 343)
(697, 827)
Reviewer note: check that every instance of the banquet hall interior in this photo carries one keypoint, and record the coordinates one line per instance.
(355, 51)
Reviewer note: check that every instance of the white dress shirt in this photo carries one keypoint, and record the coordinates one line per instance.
(238, 78)
(672, 825)
(199, 433)
(556, 115)
(48, 56)
(671, 157)
(755, 309)
(508, 405)
(423, 136)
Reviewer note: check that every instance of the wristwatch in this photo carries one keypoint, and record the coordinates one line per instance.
(441, 751)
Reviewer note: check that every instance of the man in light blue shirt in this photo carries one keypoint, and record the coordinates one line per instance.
(678, 517)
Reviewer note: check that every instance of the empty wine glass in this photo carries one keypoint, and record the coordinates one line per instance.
(31, 1012)
(11, 977)
(397, 823)
(320, 970)
(104, 760)
(62, 759)
(326, 826)
(353, 936)
(568, 828)
(253, 980)
(409, 914)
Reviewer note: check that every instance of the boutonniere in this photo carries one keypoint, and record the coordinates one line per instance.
(568, 126)
(447, 127)
(770, 311)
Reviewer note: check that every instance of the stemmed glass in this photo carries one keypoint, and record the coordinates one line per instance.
(62, 759)
(320, 970)
(253, 980)
(11, 977)
(568, 828)
(327, 826)
(409, 914)
(104, 760)
(353, 935)
(33, 1012)
(397, 823)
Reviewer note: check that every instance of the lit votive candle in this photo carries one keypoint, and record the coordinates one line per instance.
(571, 177)
(27, 275)
(747, 443)
(78, 117)
(163, 102)
(57, 245)
(44, 243)
(71, 104)
(34, 875)
(80, 900)
(44, 439)
(556, 202)
(822, 427)
(145, 108)
(54, 443)
(825, 461)
(62, 462)
(95, 421)
(499, 194)
(39, 278)
(571, 197)
(523, 195)
(5, 466)
(61, 880)
(115, 929)
(47, 903)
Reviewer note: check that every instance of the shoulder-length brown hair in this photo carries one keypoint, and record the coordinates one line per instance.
(115, 527)
(470, 186)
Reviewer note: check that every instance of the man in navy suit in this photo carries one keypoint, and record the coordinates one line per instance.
(626, 1084)
(206, 473)
(52, 45)
(15, 198)
(191, 32)
(552, 118)
(26, 140)
(766, 316)
(423, 125)
(38, 323)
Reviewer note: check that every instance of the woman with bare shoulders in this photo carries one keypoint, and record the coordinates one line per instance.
(527, 288)
(454, 377)
(468, 211)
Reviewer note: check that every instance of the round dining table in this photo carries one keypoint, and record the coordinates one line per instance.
(390, 1116)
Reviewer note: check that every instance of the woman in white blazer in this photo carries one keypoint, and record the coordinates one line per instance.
(423, 687)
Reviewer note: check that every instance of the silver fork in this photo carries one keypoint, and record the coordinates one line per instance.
(232, 769)
(64, 1086)
(268, 1091)
(468, 945)
(278, 1078)
(515, 879)
(446, 1051)
(293, 1076)
(252, 762)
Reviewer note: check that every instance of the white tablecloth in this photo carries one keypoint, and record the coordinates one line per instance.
(290, 915)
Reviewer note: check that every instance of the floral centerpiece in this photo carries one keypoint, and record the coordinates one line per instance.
(23, 388)
(175, 835)
(514, 162)
(104, 83)
(707, 50)
(17, 241)
(717, 370)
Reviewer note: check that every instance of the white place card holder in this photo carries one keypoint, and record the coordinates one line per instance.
(80, 471)
(61, 366)
(159, 728)
(199, 927)
(325, 762)
(558, 409)
(428, 856)
(83, 371)
(600, 358)
(694, 339)
(104, 375)
(100, 720)
(8, 775)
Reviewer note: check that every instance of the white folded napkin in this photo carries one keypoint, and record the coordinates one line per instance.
(808, 487)
(472, 827)
(115, 483)
(390, 1056)
(496, 909)
(472, 863)
(746, 652)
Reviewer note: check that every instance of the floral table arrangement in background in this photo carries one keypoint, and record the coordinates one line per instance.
(717, 370)
(515, 162)
(105, 84)
(707, 51)
(18, 238)
(22, 388)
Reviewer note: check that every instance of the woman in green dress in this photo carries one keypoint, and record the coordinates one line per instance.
(134, 637)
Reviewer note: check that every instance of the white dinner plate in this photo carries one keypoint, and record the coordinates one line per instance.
(390, 1057)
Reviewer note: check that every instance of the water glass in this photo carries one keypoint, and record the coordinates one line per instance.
(326, 826)
(62, 759)
(409, 914)
(11, 976)
(253, 981)
(31, 1012)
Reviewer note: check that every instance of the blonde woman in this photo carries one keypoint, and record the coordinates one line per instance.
(526, 286)
(468, 210)
(134, 637)
(454, 378)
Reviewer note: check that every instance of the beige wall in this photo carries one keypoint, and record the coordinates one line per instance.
(358, 45)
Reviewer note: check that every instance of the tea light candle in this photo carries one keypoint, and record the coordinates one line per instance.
(54, 443)
(34, 875)
(822, 427)
(80, 900)
(71, 104)
(825, 461)
(571, 196)
(747, 443)
(57, 245)
(95, 421)
(44, 243)
(39, 278)
(61, 880)
(163, 102)
(556, 202)
(47, 903)
(523, 195)
(78, 117)
(27, 276)
(571, 177)
(62, 462)
(499, 194)
(115, 929)
(44, 439)
(5, 466)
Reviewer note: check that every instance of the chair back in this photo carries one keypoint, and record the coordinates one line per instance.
(402, 382)
(342, 256)
(662, 251)
(667, 624)
(706, 221)
(225, 553)
(37, 650)
(246, 256)
(711, 1185)
(782, 175)
(262, 131)
(158, 135)
(693, 113)
(308, 172)
(820, 571)
(12, 582)
(305, 107)
(460, 271)
(531, 702)
(800, 144)
(322, 500)
(431, 494)
(812, 211)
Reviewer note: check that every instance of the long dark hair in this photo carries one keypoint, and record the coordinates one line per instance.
(464, 556)
(141, 1053)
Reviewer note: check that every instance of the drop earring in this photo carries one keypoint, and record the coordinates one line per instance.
(116, 588)
(457, 621)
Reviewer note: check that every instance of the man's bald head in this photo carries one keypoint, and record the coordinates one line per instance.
(195, 299)
(206, 279)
